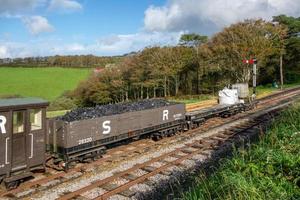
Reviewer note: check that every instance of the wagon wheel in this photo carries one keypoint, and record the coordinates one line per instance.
(156, 137)
(2, 186)
(12, 185)
(97, 155)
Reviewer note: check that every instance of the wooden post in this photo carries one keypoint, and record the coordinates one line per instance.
(165, 86)
(281, 73)
(254, 78)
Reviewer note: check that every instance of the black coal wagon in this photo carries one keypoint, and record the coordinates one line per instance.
(85, 132)
(22, 138)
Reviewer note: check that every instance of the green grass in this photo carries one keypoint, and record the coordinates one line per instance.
(268, 89)
(47, 83)
(188, 99)
(267, 170)
(51, 114)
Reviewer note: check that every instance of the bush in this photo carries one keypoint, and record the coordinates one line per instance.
(62, 103)
(267, 170)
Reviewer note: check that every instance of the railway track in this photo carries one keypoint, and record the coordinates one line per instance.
(201, 147)
(57, 178)
(136, 148)
(209, 103)
(117, 154)
(198, 147)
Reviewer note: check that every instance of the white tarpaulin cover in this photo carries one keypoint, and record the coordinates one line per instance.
(228, 96)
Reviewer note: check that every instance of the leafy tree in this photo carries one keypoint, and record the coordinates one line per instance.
(88, 61)
(174, 70)
(196, 41)
(292, 23)
(292, 55)
(245, 40)
(192, 39)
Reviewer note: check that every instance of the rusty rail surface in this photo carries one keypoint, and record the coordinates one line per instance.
(270, 100)
(200, 146)
(111, 155)
(217, 140)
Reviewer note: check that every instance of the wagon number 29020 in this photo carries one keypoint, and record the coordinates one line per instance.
(86, 140)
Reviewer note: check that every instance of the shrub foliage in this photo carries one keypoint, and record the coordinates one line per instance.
(269, 169)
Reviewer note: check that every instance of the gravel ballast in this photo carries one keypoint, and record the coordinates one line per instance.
(179, 174)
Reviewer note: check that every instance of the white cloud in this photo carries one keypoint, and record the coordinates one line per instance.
(13, 50)
(4, 52)
(12, 6)
(120, 44)
(37, 24)
(208, 16)
(75, 47)
(16, 9)
(64, 5)
(111, 45)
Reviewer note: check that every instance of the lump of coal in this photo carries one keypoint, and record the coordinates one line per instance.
(112, 109)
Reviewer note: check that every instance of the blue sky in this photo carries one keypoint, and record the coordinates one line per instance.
(95, 18)
(113, 27)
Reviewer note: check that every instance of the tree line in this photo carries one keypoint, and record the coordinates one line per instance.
(198, 64)
(75, 61)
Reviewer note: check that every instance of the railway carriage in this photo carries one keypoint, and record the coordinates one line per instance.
(82, 139)
(22, 138)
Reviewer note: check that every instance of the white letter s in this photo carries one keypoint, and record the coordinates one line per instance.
(106, 127)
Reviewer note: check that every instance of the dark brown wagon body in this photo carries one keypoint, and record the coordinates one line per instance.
(22, 137)
(73, 139)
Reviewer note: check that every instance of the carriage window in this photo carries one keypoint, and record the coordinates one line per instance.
(36, 119)
(18, 121)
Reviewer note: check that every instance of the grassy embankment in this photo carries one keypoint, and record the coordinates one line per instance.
(268, 89)
(269, 169)
(47, 83)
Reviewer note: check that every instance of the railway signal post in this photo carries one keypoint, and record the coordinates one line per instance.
(254, 63)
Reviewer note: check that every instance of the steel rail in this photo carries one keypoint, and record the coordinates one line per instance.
(156, 171)
(265, 100)
(37, 183)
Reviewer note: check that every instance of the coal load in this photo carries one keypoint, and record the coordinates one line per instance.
(113, 109)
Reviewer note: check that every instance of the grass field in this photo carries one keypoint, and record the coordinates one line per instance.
(269, 169)
(48, 83)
